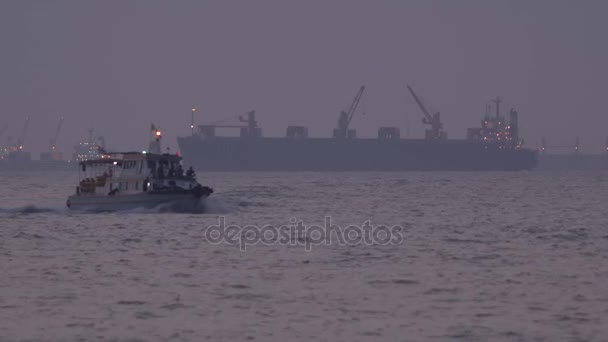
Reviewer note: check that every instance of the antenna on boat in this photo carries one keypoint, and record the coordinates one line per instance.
(154, 146)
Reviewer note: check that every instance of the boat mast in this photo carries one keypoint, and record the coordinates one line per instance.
(154, 146)
(192, 120)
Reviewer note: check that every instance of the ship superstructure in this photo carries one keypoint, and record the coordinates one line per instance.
(89, 149)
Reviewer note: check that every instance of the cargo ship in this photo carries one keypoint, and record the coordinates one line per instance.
(494, 146)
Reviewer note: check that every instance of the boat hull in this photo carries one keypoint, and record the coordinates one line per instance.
(171, 202)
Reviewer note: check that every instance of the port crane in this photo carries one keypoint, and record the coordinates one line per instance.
(436, 131)
(21, 139)
(53, 142)
(3, 150)
(346, 117)
(52, 153)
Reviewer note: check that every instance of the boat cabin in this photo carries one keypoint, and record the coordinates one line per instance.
(134, 172)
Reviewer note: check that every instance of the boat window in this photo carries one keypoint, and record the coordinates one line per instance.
(136, 185)
(127, 186)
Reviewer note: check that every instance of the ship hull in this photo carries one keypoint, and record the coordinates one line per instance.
(573, 162)
(313, 154)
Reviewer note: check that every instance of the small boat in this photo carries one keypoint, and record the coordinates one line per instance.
(128, 180)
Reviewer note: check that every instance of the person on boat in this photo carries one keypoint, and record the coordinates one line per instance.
(161, 171)
(190, 173)
(171, 171)
(180, 171)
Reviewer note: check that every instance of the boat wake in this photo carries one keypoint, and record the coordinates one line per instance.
(181, 207)
(29, 209)
(207, 206)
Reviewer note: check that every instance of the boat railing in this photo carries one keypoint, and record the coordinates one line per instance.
(100, 181)
(88, 185)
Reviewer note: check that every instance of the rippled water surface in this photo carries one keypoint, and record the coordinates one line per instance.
(485, 256)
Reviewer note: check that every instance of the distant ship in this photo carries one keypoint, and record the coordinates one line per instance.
(15, 157)
(495, 146)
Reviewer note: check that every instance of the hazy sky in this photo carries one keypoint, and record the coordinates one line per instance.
(117, 66)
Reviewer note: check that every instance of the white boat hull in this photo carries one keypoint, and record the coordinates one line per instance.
(173, 202)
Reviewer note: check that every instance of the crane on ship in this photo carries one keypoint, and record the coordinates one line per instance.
(436, 131)
(21, 138)
(53, 142)
(346, 117)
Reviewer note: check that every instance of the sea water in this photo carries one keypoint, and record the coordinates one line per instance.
(500, 256)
